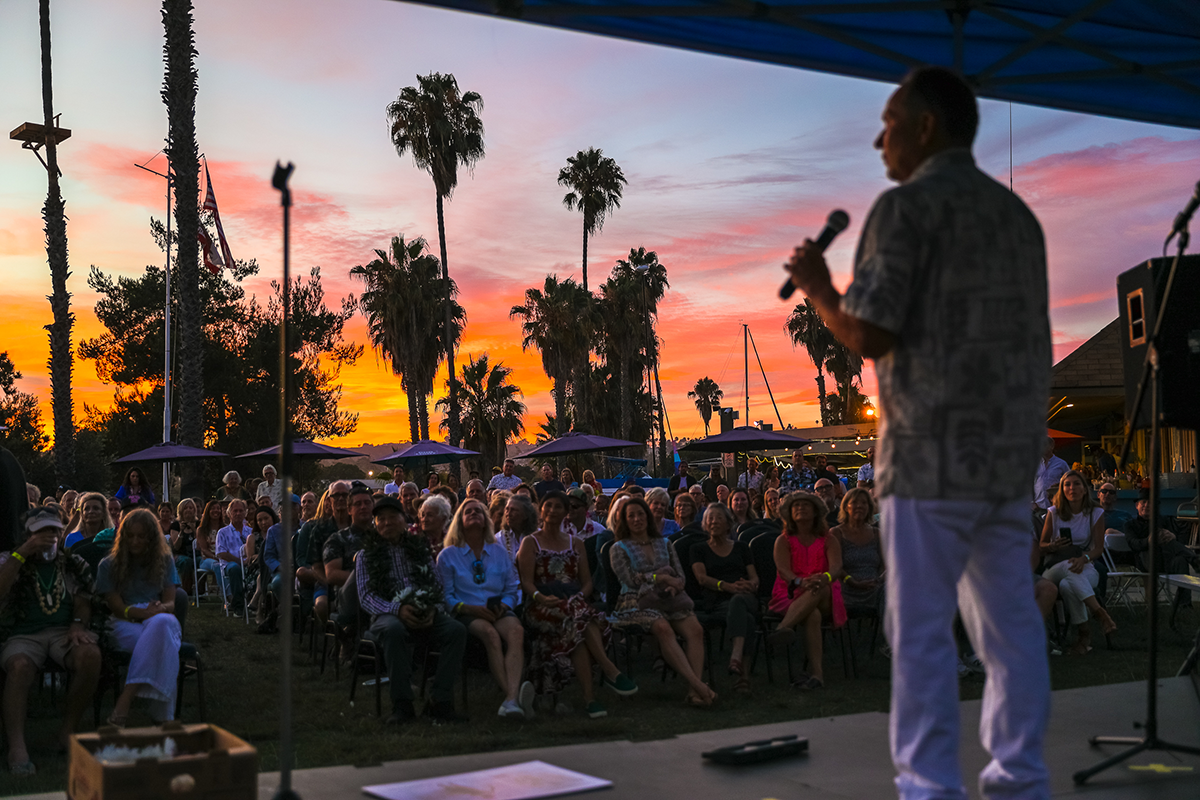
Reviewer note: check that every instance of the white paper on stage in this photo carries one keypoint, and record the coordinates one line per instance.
(531, 779)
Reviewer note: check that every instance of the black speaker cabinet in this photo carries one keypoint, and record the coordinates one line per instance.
(1139, 292)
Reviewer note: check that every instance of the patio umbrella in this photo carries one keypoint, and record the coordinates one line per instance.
(1061, 437)
(571, 443)
(305, 448)
(745, 439)
(426, 452)
(169, 451)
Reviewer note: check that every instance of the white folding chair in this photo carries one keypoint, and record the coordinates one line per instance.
(1128, 577)
(1120, 580)
(216, 575)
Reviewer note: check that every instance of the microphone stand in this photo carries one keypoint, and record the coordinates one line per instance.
(1150, 381)
(287, 570)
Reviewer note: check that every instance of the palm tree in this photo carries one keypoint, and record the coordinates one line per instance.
(805, 327)
(551, 430)
(845, 366)
(55, 219)
(595, 182)
(556, 322)
(403, 303)
(441, 127)
(179, 95)
(708, 396)
(629, 302)
(491, 412)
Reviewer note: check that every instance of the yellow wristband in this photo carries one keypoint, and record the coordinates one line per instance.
(125, 613)
(18, 557)
(828, 577)
(718, 586)
(458, 606)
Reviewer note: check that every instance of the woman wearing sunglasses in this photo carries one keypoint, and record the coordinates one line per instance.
(481, 592)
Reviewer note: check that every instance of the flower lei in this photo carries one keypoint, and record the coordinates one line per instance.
(423, 592)
(27, 592)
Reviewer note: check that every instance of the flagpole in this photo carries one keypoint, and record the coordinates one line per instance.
(166, 436)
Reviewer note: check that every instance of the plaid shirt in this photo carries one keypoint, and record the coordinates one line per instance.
(402, 572)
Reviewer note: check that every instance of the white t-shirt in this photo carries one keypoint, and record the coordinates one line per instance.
(1080, 524)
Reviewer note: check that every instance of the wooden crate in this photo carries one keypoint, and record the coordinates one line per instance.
(223, 766)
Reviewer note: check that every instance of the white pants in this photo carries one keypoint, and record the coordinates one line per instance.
(1074, 588)
(154, 645)
(973, 556)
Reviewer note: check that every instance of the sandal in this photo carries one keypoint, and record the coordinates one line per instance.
(695, 702)
(741, 685)
(735, 667)
(117, 722)
(808, 683)
(25, 769)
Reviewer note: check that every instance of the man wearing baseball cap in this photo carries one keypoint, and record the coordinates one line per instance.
(44, 614)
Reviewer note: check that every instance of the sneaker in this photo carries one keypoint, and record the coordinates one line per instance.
(621, 684)
(963, 670)
(444, 714)
(596, 711)
(510, 708)
(973, 663)
(402, 713)
(525, 699)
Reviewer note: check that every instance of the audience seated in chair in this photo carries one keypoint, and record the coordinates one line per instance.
(1073, 538)
(399, 587)
(37, 626)
(724, 570)
(652, 595)
(137, 581)
(570, 633)
(482, 593)
(806, 559)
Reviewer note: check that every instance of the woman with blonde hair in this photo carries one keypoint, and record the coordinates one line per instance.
(1072, 539)
(181, 534)
(496, 504)
(480, 582)
(93, 518)
(137, 581)
(805, 592)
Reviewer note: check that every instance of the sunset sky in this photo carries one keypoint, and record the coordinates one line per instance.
(729, 163)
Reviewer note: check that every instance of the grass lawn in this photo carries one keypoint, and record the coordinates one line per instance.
(241, 677)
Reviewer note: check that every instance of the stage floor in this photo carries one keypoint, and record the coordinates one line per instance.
(848, 757)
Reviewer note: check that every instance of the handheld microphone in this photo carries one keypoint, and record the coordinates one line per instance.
(837, 222)
(1184, 217)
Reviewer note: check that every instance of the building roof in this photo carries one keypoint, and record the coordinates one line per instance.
(1094, 368)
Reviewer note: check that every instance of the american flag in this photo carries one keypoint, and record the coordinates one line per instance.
(213, 260)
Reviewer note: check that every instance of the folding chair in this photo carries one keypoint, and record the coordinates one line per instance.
(216, 576)
(1121, 578)
(762, 550)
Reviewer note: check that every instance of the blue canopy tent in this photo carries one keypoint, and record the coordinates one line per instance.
(1132, 59)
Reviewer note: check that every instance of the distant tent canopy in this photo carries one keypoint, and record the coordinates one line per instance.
(1132, 59)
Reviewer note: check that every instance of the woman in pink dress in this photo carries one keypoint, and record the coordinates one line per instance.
(808, 565)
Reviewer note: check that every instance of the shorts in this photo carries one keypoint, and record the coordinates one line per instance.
(320, 590)
(49, 643)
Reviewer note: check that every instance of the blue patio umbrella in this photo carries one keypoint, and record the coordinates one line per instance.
(744, 439)
(426, 452)
(305, 448)
(576, 442)
(169, 451)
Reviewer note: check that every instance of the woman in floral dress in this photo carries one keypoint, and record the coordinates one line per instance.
(569, 634)
(645, 563)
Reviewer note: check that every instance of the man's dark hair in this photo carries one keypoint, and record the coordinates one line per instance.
(949, 98)
(360, 488)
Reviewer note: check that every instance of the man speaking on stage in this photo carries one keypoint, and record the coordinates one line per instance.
(949, 297)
